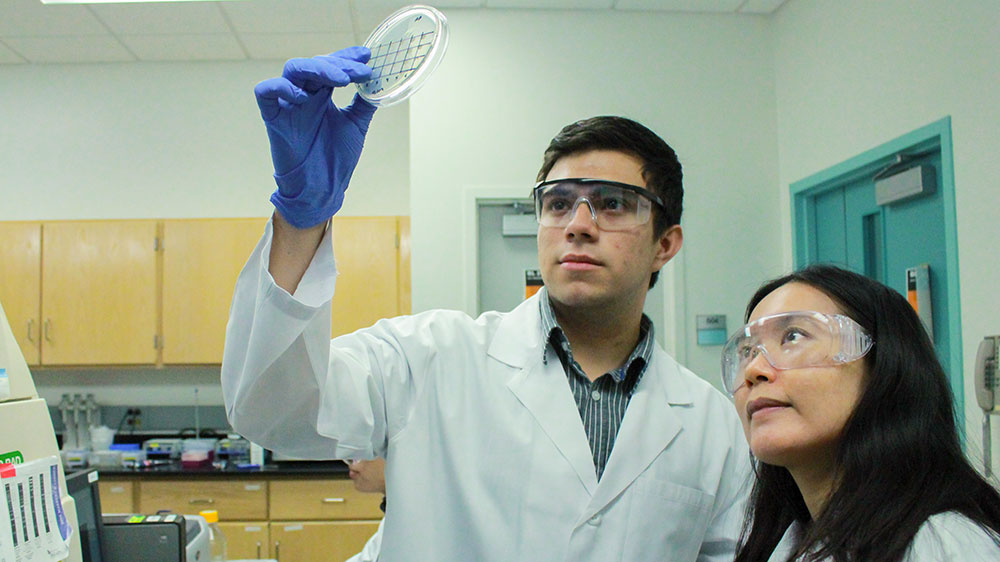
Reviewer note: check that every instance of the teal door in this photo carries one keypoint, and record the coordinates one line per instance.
(837, 220)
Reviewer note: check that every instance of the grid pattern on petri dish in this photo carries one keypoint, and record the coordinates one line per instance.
(397, 58)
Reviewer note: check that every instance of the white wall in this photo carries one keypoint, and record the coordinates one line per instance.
(161, 140)
(854, 74)
(511, 80)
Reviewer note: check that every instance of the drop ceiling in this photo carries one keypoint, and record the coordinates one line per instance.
(33, 33)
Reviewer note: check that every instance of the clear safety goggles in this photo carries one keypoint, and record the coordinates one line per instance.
(613, 205)
(793, 340)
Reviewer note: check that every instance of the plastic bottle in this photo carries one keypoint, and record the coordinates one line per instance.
(215, 536)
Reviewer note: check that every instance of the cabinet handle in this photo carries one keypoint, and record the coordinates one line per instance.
(31, 328)
(48, 323)
(201, 500)
(277, 550)
(334, 500)
(258, 550)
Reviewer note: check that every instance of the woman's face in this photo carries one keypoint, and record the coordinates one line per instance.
(798, 414)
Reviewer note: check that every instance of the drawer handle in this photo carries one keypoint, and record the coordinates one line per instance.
(334, 500)
(201, 500)
(48, 323)
(277, 550)
(258, 549)
(31, 330)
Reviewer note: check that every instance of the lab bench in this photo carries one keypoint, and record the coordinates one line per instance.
(294, 512)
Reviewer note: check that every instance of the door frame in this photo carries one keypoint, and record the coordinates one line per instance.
(802, 196)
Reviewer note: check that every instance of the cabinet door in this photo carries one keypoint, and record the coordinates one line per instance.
(117, 496)
(21, 283)
(367, 253)
(201, 261)
(322, 499)
(311, 541)
(233, 499)
(99, 292)
(246, 540)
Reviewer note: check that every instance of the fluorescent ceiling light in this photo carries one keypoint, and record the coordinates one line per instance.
(122, 1)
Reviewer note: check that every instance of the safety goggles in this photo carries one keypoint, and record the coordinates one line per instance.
(613, 205)
(793, 340)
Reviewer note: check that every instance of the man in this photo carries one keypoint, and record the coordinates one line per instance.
(557, 431)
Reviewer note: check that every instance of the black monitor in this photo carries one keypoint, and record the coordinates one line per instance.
(82, 486)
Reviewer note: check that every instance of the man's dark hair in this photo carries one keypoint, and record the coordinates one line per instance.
(660, 168)
(899, 459)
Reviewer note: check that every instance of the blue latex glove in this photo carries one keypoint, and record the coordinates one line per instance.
(315, 145)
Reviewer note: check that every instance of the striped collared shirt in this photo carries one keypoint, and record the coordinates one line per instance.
(601, 403)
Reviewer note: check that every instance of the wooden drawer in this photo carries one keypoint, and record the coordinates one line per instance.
(117, 496)
(233, 499)
(322, 499)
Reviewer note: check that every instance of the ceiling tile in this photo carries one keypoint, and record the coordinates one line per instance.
(552, 4)
(162, 18)
(8, 56)
(21, 18)
(282, 46)
(680, 5)
(761, 6)
(218, 46)
(70, 49)
(289, 16)
(372, 12)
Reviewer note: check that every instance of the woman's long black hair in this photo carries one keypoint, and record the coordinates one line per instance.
(899, 460)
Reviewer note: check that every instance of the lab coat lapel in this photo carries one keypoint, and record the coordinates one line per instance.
(647, 429)
(542, 388)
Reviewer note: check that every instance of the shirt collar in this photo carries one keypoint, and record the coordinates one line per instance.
(556, 339)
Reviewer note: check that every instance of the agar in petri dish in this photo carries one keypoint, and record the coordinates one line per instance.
(406, 48)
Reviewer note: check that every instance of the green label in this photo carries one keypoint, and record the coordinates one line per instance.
(14, 457)
(137, 519)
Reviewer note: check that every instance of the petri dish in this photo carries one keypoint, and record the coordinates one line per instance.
(406, 48)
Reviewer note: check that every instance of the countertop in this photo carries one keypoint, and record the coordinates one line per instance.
(279, 469)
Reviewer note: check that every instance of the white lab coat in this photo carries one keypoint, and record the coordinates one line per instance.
(487, 456)
(370, 552)
(945, 537)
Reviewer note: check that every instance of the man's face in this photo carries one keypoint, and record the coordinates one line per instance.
(584, 266)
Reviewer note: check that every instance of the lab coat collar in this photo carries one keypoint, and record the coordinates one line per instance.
(647, 429)
(542, 388)
(649, 426)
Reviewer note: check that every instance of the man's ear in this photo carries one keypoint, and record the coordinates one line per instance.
(668, 244)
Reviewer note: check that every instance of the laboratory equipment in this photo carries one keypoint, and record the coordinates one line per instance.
(406, 48)
(69, 428)
(83, 487)
(162, 449)
(987, 381)
(169, 537)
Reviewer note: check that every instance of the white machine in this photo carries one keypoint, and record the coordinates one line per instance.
(27, 442)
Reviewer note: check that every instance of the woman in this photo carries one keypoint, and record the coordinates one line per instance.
(849, 417)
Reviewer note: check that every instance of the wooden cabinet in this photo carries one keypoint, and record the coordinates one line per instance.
(142, 292)
(117, 496)
(373, 278)
(247, 540)
(20, 282)
(234, 499)
(99, 292)
(322, 499)
(315, 541)
(291, 519)
(201, 260)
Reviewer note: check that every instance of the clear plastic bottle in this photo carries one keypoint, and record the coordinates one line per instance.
(215, 536)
